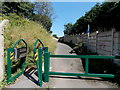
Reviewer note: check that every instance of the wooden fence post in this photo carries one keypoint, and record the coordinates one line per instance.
(2, 26)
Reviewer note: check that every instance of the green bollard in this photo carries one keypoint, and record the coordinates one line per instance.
(40, 66)
(46, 66)
(8, 65)
(86, 65)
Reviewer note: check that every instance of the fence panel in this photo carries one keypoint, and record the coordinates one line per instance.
(103, 43)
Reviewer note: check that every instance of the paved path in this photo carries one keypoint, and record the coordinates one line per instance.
(30, 79)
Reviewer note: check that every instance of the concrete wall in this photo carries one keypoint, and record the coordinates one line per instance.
(103, 43)
(2, 26)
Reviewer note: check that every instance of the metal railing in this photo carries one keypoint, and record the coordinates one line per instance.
(47, 59)
(15, 53)
(39, 52)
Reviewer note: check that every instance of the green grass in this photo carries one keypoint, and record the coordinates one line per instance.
(21, 28)
(28, 30)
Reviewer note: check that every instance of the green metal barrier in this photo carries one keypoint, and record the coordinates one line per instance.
(38, 41)
(16, 53)
(38, 53)
(47, 57)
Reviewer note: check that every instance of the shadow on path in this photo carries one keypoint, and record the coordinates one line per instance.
(81, 78)
(32, 74)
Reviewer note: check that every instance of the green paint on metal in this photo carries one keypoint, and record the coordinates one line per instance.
(47, 73)
(83, 56)
(19, 42)
(38, 41)
(40, 66)
(16, 76)
(23, 66)
(46, 49)
(40, 52)
(82, 74)
(86, 65)
(46, 66)
(9, 62)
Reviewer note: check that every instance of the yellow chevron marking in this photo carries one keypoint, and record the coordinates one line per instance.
(36, 58)
(12, 57)
(36, 54)
(12, 53)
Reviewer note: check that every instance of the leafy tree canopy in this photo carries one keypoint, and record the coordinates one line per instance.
(41, 12)
(101, 17)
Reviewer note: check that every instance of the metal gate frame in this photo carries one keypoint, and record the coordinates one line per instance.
(47, 72)
(10, 57)
(38, 53)
(43, 76)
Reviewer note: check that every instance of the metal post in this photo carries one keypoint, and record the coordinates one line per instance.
(86, 65)
(23, 65)
(46, 49)
(46, 66)
(2, 25)
(8, 65)
(40, 66)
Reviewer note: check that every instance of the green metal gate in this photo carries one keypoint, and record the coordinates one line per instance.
(15, 54)
(39, 49)
(42, 57)
(47, 72)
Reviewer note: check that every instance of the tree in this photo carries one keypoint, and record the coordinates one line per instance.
(43, 20)
(41, 12)
(44, 8)
(68, 29)
(24, 9)
(44, 14)
(102, 16)
(54, 35)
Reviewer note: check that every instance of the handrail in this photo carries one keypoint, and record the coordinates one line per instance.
(38, 40)
(84, 56)
(18, 42)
